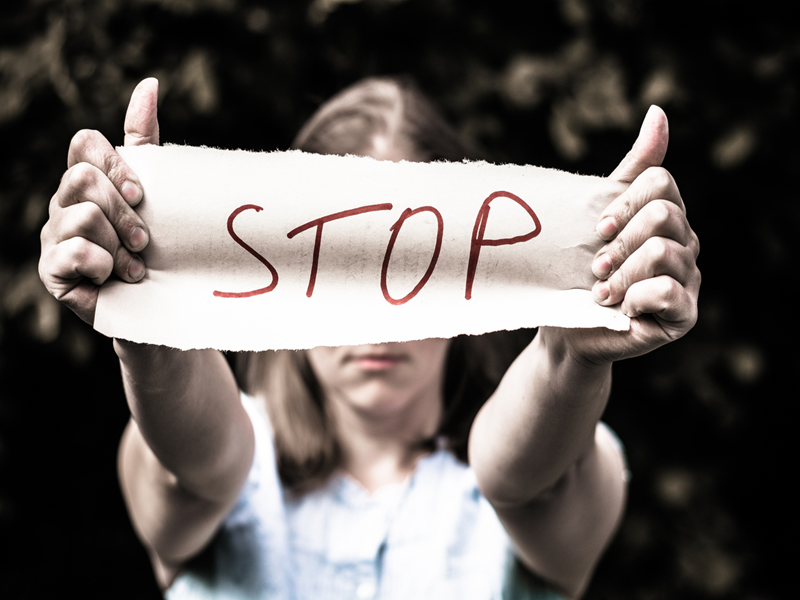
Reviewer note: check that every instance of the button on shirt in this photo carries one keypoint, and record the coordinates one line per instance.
(433, 537)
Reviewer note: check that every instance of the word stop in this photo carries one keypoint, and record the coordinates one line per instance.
(477, 241)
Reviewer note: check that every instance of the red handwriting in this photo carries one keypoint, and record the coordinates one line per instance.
(477, 242)
(478, 231)
(263, 260)
(318, 223)
(395, 229)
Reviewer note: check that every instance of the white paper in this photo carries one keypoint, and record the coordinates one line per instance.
(205, 289)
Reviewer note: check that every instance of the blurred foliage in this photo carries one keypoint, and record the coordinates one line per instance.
(560, 83)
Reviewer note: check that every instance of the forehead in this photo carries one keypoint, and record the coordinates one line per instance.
(393, 149)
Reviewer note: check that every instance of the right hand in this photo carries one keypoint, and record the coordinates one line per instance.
(93, 230)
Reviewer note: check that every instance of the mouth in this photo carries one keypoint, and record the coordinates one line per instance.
(377, 361)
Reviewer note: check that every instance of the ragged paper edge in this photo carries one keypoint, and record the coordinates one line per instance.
(612, 319)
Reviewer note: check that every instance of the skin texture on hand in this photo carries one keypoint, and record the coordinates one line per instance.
(93, 230)
(648, 263)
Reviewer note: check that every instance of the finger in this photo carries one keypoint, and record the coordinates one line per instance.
(141, 119)
(87, 221)
(673, 306)
(82, 300)
(657, 257)
(89, 146)
(659, 218)
(655, 183)
(648, 150)
(64, 265)
(85, 183)
(72, 270)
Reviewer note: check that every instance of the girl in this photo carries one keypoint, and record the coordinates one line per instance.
(399, 470)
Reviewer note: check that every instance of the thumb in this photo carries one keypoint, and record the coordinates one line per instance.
(649, 148)
(141, 120)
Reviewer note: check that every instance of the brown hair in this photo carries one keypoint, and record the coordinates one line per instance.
(375, 112)
(365, 119)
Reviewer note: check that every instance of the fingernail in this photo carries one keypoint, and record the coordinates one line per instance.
(138, 239)
(601, 267)
(131, 192)
(135, 269)
(607, 228)
(600, 291)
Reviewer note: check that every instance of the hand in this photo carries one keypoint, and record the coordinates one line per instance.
(93, 230)
(648, 263)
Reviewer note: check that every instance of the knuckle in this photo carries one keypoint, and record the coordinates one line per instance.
(49, 235)
(694, 245)
(45, 263)
(661, 214)
(89, 257)
(659, 253)
(93, 218)
(81, 252)
(659, 179)
(682, 226)
(82, 177)
(55, 202)
(668, 220)
(693, 275)
(44, 235)
(72, 255)
(83, 138)
(83, 145)
(672, 292)
(687, 267)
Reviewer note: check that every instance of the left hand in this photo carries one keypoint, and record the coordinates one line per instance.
(648, 263)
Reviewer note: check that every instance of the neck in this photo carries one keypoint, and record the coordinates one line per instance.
(384, 449)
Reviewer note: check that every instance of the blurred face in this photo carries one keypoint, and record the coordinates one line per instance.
(382, 380)
(389, 379)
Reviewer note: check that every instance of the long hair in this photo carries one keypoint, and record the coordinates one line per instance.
(369, 118)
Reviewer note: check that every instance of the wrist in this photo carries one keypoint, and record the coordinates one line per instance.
(135, 353)
(562, 357)
(155, 366)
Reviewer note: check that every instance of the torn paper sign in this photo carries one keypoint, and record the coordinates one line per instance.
(282, 250)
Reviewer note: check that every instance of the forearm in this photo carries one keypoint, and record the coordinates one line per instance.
(539, 422)
(187, 410)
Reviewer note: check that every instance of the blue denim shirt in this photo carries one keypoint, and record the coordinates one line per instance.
(434, 537)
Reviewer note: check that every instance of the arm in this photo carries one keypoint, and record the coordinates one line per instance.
(555, 478)
(187, 450)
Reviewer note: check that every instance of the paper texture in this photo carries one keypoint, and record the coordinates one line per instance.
(289, 250)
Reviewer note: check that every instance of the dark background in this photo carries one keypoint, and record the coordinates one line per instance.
(563, 84)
